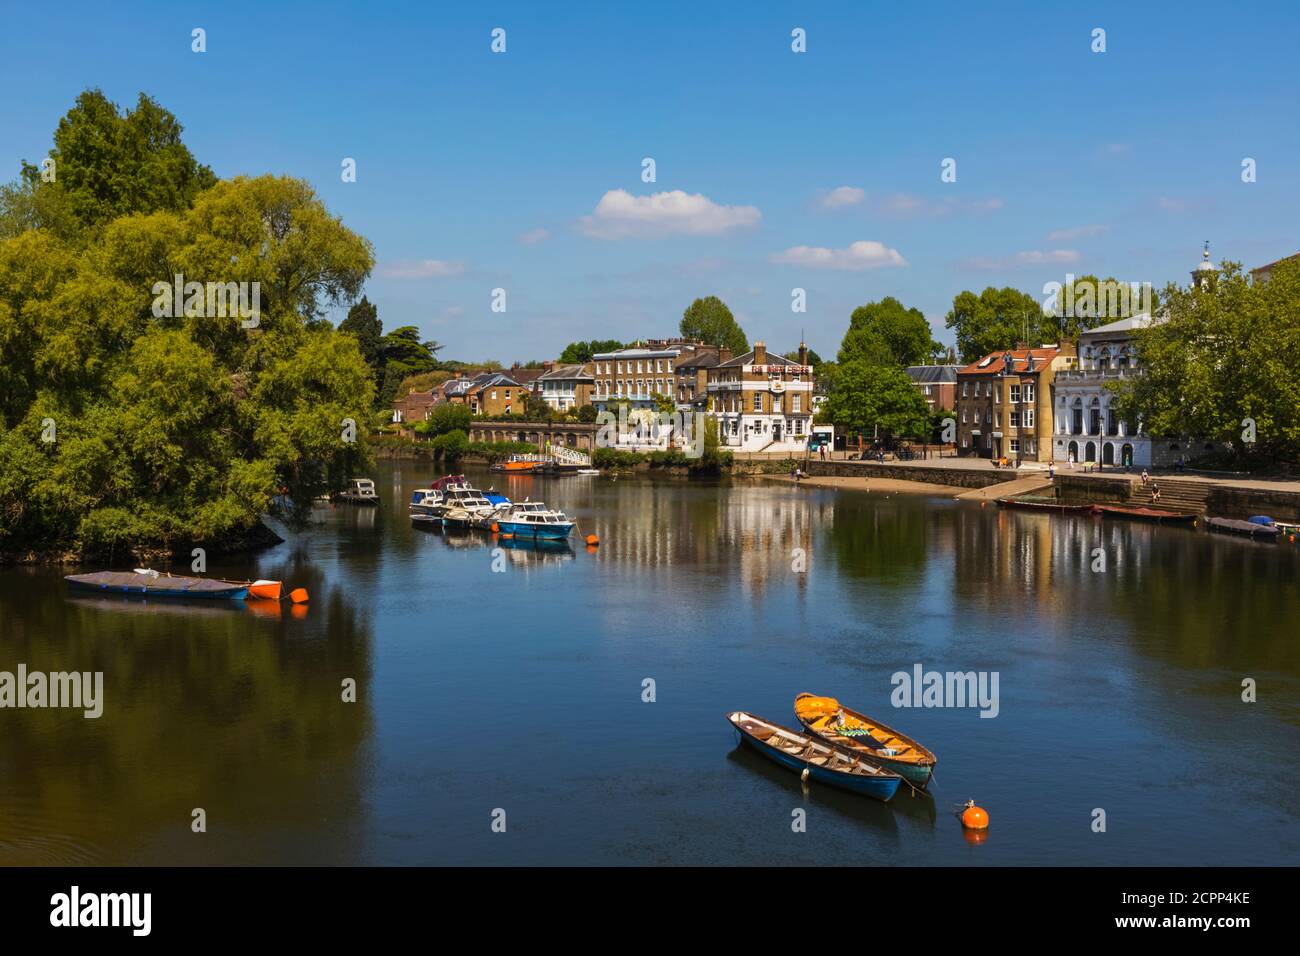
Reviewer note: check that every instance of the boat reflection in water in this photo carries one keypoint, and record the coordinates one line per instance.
(519, 550)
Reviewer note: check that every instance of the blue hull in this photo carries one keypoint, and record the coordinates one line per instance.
(555, 532)
(880, 786)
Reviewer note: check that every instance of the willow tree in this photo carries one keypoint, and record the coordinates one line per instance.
(128, 426)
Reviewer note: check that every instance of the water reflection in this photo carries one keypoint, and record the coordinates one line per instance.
(205, 705)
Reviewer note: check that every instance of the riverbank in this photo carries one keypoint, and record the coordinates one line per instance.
(888, 486)
(255, 539)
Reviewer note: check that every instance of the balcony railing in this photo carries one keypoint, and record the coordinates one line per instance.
(1096, 374)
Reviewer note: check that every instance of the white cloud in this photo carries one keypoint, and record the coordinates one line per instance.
(533, 236)
(420, 269)
(857, 257)
(1031, 257)
(904, 206)
(1078, 232)
(842, 196)
(620, 215)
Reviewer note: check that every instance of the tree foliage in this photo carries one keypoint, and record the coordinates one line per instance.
(579, 353)
(887, 333)
(710, 321)
(1220, 357)
(122, 429)
(995, 320)
(867, 396)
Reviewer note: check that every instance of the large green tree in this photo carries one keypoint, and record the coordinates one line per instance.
(1087, 302)
(124, 425)
(403, 353)
(997, 319)
(710, 321)
(1221, 364)
(887, 333)
(363, 324)
(106, 163)
(867, 396)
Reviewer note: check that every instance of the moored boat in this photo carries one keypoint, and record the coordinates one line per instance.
(1139, 513)
(823, 763)
(853, 733)
(360, 491)
(1249, 529)
(532, 519)
(146, 583)
(425, 506)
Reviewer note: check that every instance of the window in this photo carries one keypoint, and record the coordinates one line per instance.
(758, 401)
(963, 416)
(1029, 418)
(1015, 394)
(620, 368)
(798, 424)
(997, 420)
(1014, 419)
(494, 393)
(997, 397)
(1015, 445)
(796, 404)
(639, 368)
(1029, 392)
(963, 389)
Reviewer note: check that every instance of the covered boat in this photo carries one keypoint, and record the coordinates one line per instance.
(853, 733)
(141, 582)
(824, 764)
(1248, 529)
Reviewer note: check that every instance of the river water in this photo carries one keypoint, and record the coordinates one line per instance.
(516, 694)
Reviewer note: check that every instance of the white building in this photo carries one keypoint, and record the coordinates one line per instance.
(762, 402)
(1088, 425)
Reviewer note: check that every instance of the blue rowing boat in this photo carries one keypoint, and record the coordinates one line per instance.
(142, 583)
(821, 762)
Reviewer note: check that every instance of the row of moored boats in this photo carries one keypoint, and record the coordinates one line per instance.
(452, 502)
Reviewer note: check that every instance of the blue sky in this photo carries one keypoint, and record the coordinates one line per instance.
(478, 170)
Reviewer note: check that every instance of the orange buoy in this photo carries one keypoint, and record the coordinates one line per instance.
(974, 818)
(593, 539)
(495, 527)
(298, 595)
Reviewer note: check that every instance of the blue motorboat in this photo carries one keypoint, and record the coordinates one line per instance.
(532, 519)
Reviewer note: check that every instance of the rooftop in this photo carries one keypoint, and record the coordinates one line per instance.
(565, 373)
(994, 362)
(932, 374)
(748, 359)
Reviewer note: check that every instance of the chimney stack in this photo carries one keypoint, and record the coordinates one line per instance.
(724, 354)
(760, 353)
(803, 353)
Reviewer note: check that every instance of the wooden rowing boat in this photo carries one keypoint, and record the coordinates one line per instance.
(157, 584)
(823, 763)
(858, 735)
(1138, 513)
(1032, 503)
